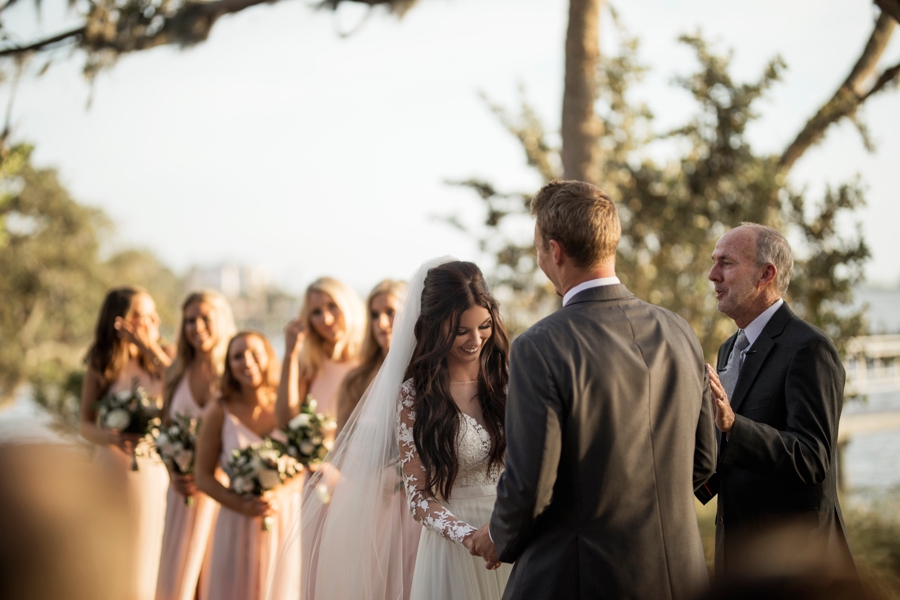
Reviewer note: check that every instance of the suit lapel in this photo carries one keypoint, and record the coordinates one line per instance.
(756, 357)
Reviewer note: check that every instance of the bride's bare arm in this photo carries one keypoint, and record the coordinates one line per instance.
(424, 507)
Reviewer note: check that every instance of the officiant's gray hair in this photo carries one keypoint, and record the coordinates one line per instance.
(580, 217)
(773, 248)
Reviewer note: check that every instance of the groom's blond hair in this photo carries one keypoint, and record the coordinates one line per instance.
(581, 218)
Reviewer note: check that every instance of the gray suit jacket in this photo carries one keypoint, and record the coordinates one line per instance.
(778, 468)
(610, 432)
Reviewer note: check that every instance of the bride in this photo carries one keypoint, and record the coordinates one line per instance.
(432, 423)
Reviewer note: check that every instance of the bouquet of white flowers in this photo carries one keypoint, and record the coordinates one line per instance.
(309, 435)
(176, 445)
(131, 411)
(259, 468)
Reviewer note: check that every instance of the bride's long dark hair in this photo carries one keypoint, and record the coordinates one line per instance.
(450, 290)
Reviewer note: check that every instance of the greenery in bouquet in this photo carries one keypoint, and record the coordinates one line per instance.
(176, 445)
(309, 434)
(259, 468)
(131, 411)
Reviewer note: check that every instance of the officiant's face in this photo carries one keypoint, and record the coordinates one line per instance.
(475, 328)
(735, 272)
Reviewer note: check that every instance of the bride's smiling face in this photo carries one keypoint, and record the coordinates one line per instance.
(475, 328)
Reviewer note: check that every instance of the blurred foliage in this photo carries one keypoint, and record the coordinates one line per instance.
(873, 532)
(674, 209)
(107, 29)
(53, 277)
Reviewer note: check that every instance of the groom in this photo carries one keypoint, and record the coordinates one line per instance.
(609, 427)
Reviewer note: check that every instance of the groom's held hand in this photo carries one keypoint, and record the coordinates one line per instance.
(482, 546)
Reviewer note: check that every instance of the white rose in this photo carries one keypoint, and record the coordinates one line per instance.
(256, 464)
(307, 447)
(184, 459)
(123, 396)
(301, 420)
(165, 448)
(241, 485)
(118, 419)
(268, 479)
(174, 430)
(323, 494)
(177, 447)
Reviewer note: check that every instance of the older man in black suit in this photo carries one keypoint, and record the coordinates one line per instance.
(777, 399)
(609, 427)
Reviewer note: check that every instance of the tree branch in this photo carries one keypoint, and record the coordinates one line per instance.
(891, 7)
(106, 29)
(849, 96)
(40, 45)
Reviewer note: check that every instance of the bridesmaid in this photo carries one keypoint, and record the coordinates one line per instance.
(320, 347)
(191, 384)
(382, 303)
(243, 555)
(126, 347)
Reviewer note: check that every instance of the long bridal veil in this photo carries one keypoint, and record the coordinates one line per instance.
(350, 521)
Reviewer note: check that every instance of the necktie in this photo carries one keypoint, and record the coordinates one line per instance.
(729, 377)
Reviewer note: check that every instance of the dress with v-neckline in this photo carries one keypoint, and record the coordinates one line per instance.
(186, 548)
(244, 557)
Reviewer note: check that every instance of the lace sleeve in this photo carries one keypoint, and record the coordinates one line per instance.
(424, 507)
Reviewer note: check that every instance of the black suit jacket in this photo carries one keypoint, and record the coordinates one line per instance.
(778, 466)
(610, 432)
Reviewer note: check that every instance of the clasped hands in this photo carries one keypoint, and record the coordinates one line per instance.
(480, 544)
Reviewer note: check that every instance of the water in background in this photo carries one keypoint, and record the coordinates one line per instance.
(872, 460)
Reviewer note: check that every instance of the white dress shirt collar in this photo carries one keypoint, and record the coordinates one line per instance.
(586, 285)
(756, 326)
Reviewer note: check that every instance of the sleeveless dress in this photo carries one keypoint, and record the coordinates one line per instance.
(242, 566)
(146, 490)
(325, 385)
(444, 568)
(187, 541)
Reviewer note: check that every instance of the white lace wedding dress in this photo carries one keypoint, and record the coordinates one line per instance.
(444, 568)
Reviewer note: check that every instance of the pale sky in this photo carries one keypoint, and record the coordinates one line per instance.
(280, 143)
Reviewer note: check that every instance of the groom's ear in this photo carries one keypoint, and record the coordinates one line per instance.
(558, 251)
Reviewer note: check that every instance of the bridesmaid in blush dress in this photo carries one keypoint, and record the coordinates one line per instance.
(320, 347)
(383, 302)
(191, 386)
(126, 349)
(244, 556)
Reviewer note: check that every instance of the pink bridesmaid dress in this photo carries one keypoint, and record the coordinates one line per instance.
(187, 541)
(325, 385)
(244, 556)
(146, 489)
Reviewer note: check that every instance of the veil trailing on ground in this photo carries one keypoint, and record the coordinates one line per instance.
(350, 521)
